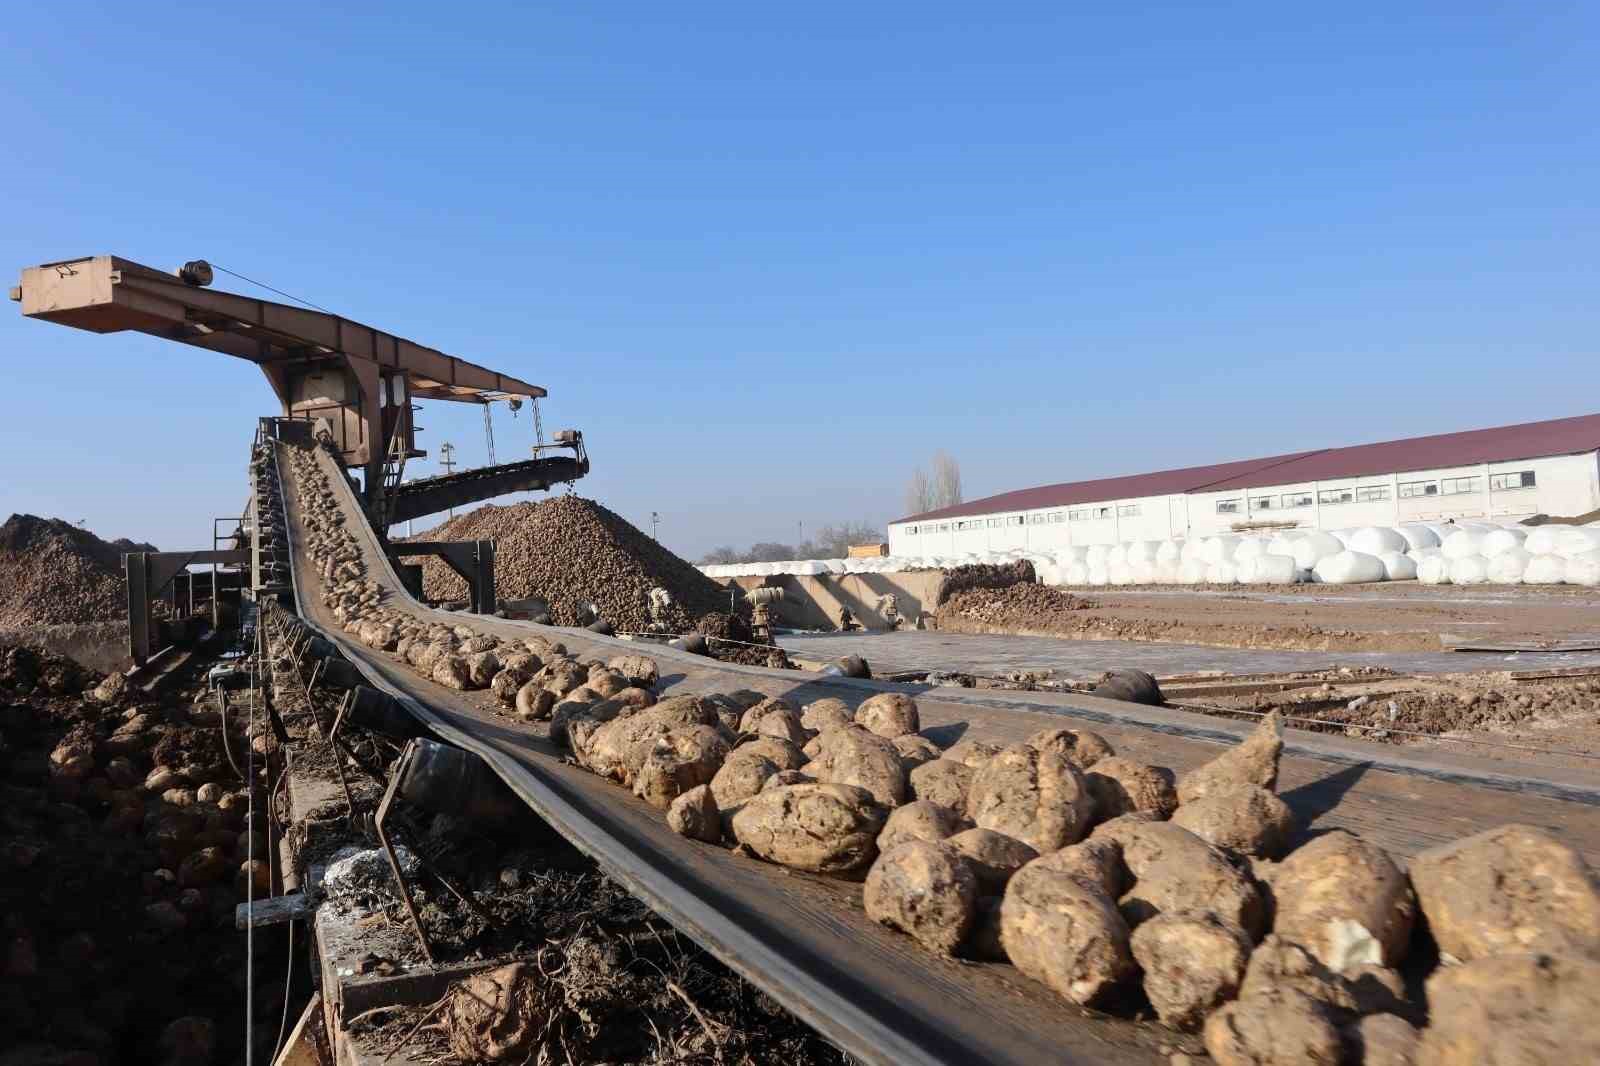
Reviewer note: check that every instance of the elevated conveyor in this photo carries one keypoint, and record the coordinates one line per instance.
(805, 939)
(426, 496)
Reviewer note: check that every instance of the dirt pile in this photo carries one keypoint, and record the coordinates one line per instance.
(120, 865)
(570, 551)
(985, 576)
(1025, 606)
(53, 573)
(1041, 610)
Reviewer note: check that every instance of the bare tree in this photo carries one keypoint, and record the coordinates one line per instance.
(946, 480)
(919, 493)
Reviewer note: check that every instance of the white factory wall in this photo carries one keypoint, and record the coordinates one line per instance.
(1563, 485)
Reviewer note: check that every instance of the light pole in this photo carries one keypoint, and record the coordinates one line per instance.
(447, 459)
(655, 524)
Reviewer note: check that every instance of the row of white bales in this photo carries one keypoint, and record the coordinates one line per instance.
(1460, 553)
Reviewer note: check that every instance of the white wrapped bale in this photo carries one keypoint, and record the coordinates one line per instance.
(1462, 543)
(1143, 571)
(1469, 570)
(1314, 547)
(1189, 550)
(1342, 536)
(1577, 540)
(1434, 570)
(1098, 575)
(1418, 536)
(1141, 551)
(1076, 573)
(1249, 548)
(1223, 573)
(1268, 569)
(1097, 555)
(1167, 573)
(1116, 554)
(1547, 569)
(1584, 569)
(1219, 549)
(1376, 540)
(1118, 573)
(1398, 566)
(1283, 543)
(1169, 551)
(1541, 540)
(1191, 572)
(1349, 568)
(1075, 554)
(1506, 568)
(1501, 540)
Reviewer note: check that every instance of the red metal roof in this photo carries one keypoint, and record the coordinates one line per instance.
(1561, 436)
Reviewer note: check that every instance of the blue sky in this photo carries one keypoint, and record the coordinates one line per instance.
(771, 257)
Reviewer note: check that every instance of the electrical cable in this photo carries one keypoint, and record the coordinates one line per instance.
(269, 288)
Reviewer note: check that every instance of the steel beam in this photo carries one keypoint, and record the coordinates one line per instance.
(472, 559)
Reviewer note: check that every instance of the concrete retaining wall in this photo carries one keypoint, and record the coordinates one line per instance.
(814, 602)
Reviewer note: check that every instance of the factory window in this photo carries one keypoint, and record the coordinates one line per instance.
(1457, 486)
(1263, 503)
(1372, 492)
(911, 530)
(1516, 479)
(1227, 506)
(1057, 516)
(1297, 499)
(1128, 510)
(1336, 496)
(1102, 512)
(1036, 520)
(994, 523)
(1078, 514)
(1410, 489)
(944, 527)
(1017, 520)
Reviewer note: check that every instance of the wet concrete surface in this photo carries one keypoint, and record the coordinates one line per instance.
(995, 656)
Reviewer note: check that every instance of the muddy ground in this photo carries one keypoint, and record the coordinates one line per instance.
(1400, 616)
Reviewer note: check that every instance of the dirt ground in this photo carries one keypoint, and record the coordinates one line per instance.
(1402, 616)
(1528, 718)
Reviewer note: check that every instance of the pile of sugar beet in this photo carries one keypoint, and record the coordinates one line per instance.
(125, 844)
(1096, 875)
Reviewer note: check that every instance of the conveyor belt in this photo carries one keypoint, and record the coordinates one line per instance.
(805, 939)
(430, 495)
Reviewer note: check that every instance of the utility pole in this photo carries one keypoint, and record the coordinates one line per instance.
(802, 526)
(655, 524)
(447, 459)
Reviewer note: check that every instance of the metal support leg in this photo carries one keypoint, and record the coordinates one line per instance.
(338, 762)
(394, 861)
(483, 593)
(133, 568)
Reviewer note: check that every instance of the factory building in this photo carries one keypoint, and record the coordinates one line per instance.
(1506, 473)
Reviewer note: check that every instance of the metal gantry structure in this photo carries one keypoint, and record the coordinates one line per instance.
(349, 385)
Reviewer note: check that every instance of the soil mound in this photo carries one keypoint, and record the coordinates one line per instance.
(570, 551)
(53, 573)
(1024, 606)
(986, 576)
